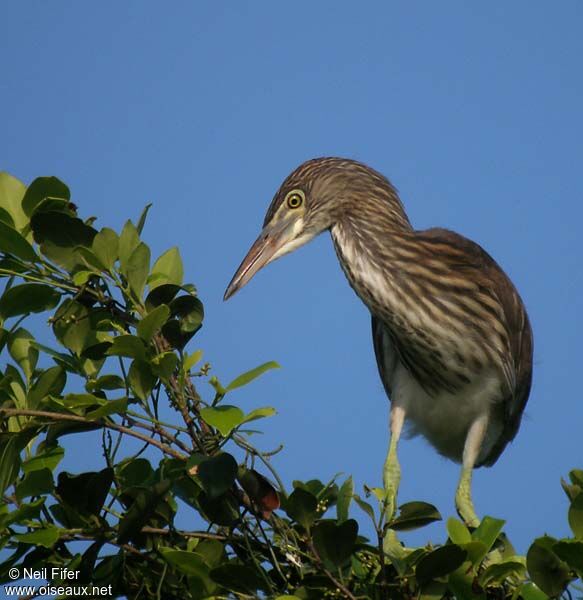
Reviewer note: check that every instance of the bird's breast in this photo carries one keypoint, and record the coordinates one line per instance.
(443, 353)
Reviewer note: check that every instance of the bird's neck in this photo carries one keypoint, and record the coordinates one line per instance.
(364, 250)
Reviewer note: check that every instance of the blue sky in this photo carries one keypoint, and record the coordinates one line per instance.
(472, 110)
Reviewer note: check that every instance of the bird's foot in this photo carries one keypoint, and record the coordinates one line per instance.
(463, 500)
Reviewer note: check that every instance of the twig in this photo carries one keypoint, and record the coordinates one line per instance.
(161, 432)
(192, 534)
(109, 424)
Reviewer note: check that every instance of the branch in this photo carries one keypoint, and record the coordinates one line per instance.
(109, 424)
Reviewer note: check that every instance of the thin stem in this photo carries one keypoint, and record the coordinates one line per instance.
(155, 421)
(28, 277)
(240, 441)
(109, 424)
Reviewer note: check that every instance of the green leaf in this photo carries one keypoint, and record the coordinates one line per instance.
(335, 543)
(76, 327)
(141, 379)
(185, 562)
(190, 312)
(50, 381)
(179, 331)
(487, 533)
(240, 579)
(138, 266)
(344, 499)
(148, 502)
(5, 217)
(224, 418)
(458, 532)
(259, 413)
(222, 510)
(302, 507)
(190, 360)
(163, 294)
(25, 512)
(570, 551)
(24, 353)
(167, 269)
(80, 278)
(142, 219)
(28, 298)
(217, 474)
(48, 459)
(576, 516)
(46, 537)
(65, 360)
(105, 247)
(413, 515)
(111, 407)
(153, 322)
(249, 376)
(546, 570)
(440, 562)
(42, 188)
(13, 243)
(12, 192)
(85, 492)
(35, 483)
(9, 462)
(11, 446)
(576, 486)
(433, 590)
(89, 260)
(164, 364)
(81, 400)
(211, 551)
(128, 345)
(59, 234)
(129, 240)
(106, 382)
(497, 573)
(529, 591)
(365, 506)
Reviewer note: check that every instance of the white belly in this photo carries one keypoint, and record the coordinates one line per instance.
(444, 420)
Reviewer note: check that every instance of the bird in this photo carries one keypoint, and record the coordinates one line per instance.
(451, 334)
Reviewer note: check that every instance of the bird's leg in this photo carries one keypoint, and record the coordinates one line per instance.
(463, 496)
(392, 469)
(391, 480)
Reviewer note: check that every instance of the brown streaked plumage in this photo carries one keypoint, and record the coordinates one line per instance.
(451, 335)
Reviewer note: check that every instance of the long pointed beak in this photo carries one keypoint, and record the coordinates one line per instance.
(263, 251)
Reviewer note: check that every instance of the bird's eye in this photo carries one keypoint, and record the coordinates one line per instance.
(295, 199)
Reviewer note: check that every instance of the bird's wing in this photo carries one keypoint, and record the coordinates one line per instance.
(386, 355)
(493, 281)
(521, 342)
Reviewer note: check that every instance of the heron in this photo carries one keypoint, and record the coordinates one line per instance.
(451, 335)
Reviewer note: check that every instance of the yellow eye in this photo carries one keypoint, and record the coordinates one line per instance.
(295, 199)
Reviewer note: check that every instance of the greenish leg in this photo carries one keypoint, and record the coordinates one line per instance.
(391, 480)
(463, 499)
(463, 495)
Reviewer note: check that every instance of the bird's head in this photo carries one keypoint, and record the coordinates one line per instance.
(310, 200)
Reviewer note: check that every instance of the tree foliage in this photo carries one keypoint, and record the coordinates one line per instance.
(110, 367)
